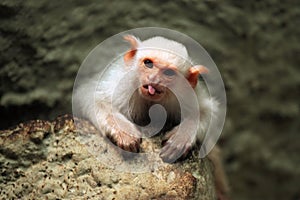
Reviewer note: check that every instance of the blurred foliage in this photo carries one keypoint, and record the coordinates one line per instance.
(255, 44)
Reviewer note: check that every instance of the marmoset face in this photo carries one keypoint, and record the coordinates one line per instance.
(156, 76)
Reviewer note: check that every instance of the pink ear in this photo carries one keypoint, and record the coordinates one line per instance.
(194, 72)
(134, 42)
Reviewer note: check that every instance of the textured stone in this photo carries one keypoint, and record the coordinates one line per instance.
(45, 160)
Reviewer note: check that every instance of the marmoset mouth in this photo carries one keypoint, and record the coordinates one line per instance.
(152, 90)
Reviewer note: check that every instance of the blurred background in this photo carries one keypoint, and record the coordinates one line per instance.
(255, 44)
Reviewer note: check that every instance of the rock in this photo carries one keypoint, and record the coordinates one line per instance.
(48, 160)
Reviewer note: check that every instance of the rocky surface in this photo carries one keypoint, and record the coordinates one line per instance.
(46, 160)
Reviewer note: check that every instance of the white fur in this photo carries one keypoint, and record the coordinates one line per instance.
(93, 100)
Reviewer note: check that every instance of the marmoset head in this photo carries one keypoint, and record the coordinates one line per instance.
(159, 63)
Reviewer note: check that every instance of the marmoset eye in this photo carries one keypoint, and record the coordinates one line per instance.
(169, 72)
(148, 63)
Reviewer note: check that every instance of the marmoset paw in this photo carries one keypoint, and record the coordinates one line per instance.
(174, 148)
(125, 141)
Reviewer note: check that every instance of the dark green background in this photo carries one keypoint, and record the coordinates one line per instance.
(255, 44)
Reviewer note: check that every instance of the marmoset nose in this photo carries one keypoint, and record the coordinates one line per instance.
(154, 78)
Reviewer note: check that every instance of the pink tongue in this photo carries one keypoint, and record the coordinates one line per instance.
(151, 90)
